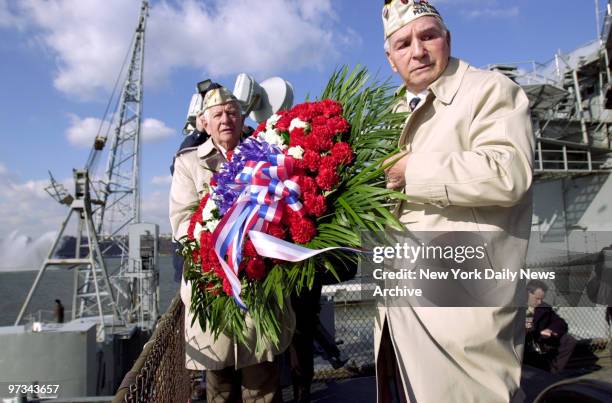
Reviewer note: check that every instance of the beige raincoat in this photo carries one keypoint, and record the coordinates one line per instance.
(469, 169)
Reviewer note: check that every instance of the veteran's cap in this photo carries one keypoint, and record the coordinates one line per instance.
(397, 13)
(218, 96)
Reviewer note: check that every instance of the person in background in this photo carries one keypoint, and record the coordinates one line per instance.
(548, 345)
(59, 311)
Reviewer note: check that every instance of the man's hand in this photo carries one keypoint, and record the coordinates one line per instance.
(546, 333)
(395, 173)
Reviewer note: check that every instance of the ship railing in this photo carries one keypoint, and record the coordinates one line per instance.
(159, 373)
(45, 316)
(560, 156)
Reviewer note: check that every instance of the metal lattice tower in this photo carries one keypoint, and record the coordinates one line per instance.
(105, 214)
(120, 192)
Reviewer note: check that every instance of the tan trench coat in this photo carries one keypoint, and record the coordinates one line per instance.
(470, 169)
(193, 169)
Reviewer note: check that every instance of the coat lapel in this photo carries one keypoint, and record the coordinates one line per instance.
(443, 89)
(209, 157)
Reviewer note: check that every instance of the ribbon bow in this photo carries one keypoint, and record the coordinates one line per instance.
(265, 187)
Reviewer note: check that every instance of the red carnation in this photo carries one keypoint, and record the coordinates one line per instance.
(331, 108)
(190, 230)
(284, 122)
(249, 249)
(319, 121)
(307, 184)
(195, 255)
(327, 179)
(302, 230)
(328, 162)
(260, 128)
(218, 270)
(338, 124)
(196, 217)
(342, 153)
(289, 215)
(276, 230)
(256, 269)
(297, 138)
(315, 204)
(227, 287)
(311, 160)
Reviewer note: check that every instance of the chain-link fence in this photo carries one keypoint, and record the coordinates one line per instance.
(568, 295)
(159, 373)
(350, 319)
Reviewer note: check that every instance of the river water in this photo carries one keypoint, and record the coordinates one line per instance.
(58, 284)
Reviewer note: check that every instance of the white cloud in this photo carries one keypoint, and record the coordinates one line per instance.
(242, 35)
(155, 130)
(26, 207)
(89, 38)
(28, 213)
(8, 17)
(162, 180)
(82, 131)
(154, 208)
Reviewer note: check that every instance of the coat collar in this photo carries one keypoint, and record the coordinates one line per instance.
(447, 85)
(209, 156)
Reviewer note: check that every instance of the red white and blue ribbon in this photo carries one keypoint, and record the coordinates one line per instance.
(265, 188)
(272, 247)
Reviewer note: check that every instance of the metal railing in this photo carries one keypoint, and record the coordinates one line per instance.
(159, 373)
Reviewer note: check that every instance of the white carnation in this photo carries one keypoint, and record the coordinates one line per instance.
(272, 137)
(211, 225)
(271, 122)
(197, 230)
(297, 123)
(207, 211)
(296, 152)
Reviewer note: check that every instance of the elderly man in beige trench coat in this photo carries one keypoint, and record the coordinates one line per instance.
(467, 166)
(234, 371)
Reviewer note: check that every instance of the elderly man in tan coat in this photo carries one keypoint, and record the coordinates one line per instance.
(467, 166)
(230, 366)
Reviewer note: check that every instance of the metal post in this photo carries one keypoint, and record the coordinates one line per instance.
(540, 155)
(597, 21)
(585, 134)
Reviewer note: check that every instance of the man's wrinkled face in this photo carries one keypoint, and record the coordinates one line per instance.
(419, 52)
(536, 298)
(224, 124)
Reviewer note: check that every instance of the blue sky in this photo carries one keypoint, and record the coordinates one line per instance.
(60, 58)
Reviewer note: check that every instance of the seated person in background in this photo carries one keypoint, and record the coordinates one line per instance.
(548, 345)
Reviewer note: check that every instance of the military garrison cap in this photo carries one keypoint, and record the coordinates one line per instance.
(218, 96)
(397, 13)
